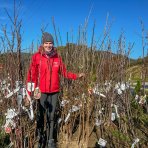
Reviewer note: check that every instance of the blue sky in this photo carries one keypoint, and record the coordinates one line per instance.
(68, 15)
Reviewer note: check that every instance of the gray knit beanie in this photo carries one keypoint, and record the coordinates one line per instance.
(47, 37)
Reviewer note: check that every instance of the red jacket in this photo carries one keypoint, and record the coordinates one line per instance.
(44, 71)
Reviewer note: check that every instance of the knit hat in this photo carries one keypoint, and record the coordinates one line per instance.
(47, 37)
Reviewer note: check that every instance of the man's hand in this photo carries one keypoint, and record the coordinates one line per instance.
(81, 75)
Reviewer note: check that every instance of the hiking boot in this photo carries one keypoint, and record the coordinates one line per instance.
(51, 143)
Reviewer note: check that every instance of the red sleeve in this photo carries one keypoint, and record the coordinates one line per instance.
(68, 75)
(33, 71)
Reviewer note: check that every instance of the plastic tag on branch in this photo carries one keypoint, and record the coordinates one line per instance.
(7, 122)
(5, 89)
(8, 90)
(67, 117)
(119, 91)
(100, 111)
(98, 122)
(95, 90)
(10, 113)
(102, 142)
(98, 93)
(142, 100)
(120, 87)
(24, 92)
(116, 86)
(10, 122)
(13, 124)
(31, 114)
(59, 120)
(25, 141)
(107, 86)
(29, 111)
(3, 82)
(13, 92)
(64, 102)
(116, 110)
(4, 86)
(113, 116)
(123, 86)
(135, 142)
(136, 97)
(18, 83)
(19, 99)
(75, 108)
(30, 86)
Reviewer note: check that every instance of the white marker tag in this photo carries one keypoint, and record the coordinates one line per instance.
(10, 114)
(113, 116)
(30, 86)
(67, 117)
(98, 122)
(64, 102)
(59, 120)
(102, 142)
(135, 142)
(13, 92)
(74, 108)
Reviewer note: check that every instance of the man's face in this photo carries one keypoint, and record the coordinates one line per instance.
(48, 46)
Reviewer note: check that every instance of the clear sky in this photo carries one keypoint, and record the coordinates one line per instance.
(68, 15)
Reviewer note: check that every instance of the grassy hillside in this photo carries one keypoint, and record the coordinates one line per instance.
(135, 72)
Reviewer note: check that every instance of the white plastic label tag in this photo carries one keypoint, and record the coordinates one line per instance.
(10, 113)
(102, 142)
(135, 142)
(113, 116)
(30, 86)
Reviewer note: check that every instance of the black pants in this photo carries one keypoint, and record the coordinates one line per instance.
(47, 104)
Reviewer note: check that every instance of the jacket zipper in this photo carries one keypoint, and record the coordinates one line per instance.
(50, 69)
